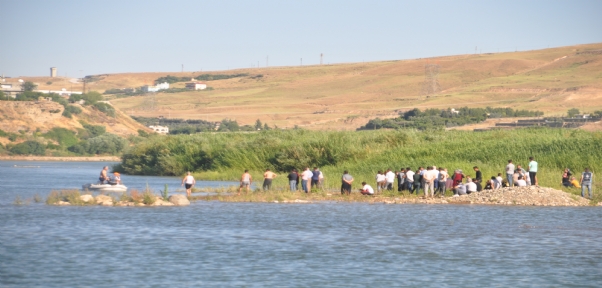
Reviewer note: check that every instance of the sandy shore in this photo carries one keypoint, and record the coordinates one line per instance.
(65, 159)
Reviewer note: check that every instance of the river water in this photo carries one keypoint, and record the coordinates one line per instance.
(316, 245)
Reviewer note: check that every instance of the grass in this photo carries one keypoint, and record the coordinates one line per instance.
(224, 156)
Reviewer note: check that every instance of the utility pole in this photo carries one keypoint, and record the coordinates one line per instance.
(321, 58)
(182, 67)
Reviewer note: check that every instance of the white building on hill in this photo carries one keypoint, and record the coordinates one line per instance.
(196, 86)
(160, 129)
(156, 88)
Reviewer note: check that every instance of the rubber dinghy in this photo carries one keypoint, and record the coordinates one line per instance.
(105, 187)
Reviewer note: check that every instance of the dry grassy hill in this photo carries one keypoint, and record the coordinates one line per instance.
(345, 96)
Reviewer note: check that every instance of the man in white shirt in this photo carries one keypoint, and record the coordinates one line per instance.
(521, 182)
(390, 177)
(381, 180)
(305, 180)
(510, 173)
(429, 176)
(470, 186)
(366, 189)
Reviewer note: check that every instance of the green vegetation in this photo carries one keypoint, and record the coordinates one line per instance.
(572, 112)
(105, 108)
(70, 110)
(203, 77)
(181, 126)
(437, 118)
(225, 155)
(64, 137)
(104, 144)
(90, 98)
(29, 86)
(29, 148)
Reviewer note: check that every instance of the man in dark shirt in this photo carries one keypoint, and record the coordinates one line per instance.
(479, 176)
(417, 181)
(315, 178)
(293, 179)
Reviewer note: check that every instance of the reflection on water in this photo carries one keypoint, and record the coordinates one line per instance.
(328, 244)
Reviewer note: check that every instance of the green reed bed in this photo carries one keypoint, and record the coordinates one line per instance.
(224, 156)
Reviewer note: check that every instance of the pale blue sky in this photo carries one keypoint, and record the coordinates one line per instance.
(158, 36)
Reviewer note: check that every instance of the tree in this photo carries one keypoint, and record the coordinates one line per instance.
(2, 96)
(572, 112)
(29, 86)
(258, 124)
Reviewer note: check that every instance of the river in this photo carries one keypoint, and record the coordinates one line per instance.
(263, 244)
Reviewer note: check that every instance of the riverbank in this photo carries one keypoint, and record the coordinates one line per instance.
(63, 159)
(523, 196)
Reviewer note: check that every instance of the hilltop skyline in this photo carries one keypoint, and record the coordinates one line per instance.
(94, 37)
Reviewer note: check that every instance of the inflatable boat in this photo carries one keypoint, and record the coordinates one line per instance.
(105, 187)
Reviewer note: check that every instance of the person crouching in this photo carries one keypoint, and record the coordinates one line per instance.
(366, 189)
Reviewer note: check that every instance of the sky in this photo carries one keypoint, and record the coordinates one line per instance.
(87, 37)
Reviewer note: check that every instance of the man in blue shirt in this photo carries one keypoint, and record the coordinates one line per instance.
(586, 181)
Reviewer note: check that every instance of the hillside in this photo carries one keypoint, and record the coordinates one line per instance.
(345, 96)
(42, 116)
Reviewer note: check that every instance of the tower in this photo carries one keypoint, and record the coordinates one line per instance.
(321, 58)
(52, 72)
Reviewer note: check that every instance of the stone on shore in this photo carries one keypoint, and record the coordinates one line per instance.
(179, 200)
(161, 202)
(86, 198)
(63, 203)
(104, 200)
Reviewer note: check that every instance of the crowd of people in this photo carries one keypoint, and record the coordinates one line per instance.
(432, 181)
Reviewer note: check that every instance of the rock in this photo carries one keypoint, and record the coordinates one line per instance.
(300, 201)
(160, 202)
(86, 198)
(104, 200)
(63, 203)
(125, 203)
(179, 200)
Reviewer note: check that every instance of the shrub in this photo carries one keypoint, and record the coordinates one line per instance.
(105, 108)
(103, 144)
(29, 148)
(64, 137)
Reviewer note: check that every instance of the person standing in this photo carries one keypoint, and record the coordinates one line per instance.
(306, 180)
(292, 180)
(346, 181)
(321, 180)
(510, 173)
(442, 179)
(189, 182)
(400, 179)
(417, 181)
(380, 181)
(430, 176)
(586, 181)
(533, 171)
(409, 179)
(315, 177)
(478, 175)
(390, 178)
(245, 181)
(268, 176)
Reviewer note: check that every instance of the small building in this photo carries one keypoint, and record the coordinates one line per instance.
(160, 129)
(156, 88)
(196, 86)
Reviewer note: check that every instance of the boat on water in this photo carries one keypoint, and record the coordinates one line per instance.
(105, 187)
